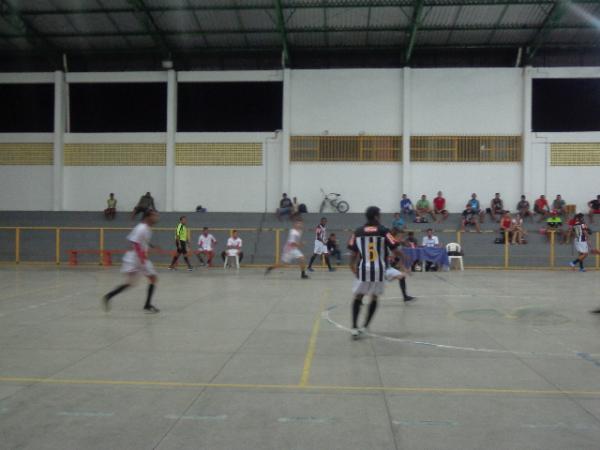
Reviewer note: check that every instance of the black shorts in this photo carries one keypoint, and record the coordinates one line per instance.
(182, 248)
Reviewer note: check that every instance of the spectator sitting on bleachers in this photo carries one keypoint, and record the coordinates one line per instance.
(423, 208)
(111, 211)
(430, 241)
(518, 231)
(206, 245)
(524, 208)
(234, 247)
(286, 207)
(406, 206)
(496, 207)
(506, 226)
(146, 203)
(559, 205)
(594, 206)
(439, 206)
(554, 223)
(541, 207)
(334, 250)
(398, 222)
(469, 217)
(476, 207)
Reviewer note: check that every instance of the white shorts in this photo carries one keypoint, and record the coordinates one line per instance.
(320, 248)
(132, 265)
(291, 255)
(368, 287)
(392, 274)
(582, 247)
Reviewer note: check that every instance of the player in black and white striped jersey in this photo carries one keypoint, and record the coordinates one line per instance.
(321, 245)
(370, 247)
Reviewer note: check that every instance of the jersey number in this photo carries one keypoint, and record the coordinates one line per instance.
(373, 255)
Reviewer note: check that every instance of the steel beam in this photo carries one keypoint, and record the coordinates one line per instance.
(551, 22)
(282, 32)
(148, 22)
(295, 5)
(414, 27)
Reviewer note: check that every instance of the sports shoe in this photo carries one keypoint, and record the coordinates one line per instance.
(151, 309)
(171, 268)
(410, 298)
(572, 264)
(332, 269)
(582, 270)
(106, 303)
(190, 269)
(268, 271)
(596, 311)
(363, 330)
(355, 333)
(310, 269)
(304, 276)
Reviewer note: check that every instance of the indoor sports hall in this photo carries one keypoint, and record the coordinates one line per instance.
(299, 224)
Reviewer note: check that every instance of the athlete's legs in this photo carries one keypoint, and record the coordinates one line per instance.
(372, 309)
(152, 280)
(356, 304)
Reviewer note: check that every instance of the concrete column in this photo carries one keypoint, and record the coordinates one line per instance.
(406, 111)
(171, 132)
(286, 132)
(59, 138)
(527, 136)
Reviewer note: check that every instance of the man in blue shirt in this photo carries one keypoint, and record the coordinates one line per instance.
(476, 207)
(406, 206)
(398, 223)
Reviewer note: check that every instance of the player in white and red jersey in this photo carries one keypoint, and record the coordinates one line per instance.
(321, 245)
(136, 262)
(291, 251)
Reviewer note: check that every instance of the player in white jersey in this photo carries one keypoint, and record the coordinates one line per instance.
(321, 245)
(136, 262)
(234, 247)
(581, 242)
(291, 251)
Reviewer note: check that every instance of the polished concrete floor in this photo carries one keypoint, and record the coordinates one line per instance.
(483, 360)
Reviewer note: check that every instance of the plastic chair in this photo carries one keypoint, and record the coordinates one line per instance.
(231, 257)
(454, 247)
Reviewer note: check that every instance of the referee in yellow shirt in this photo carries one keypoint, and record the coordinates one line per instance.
(182, 237)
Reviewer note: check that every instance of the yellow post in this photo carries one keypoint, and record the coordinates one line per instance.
(101, 246)
(598, 249)
(17, 245)
(459, 238)
(277, 245)
(552, 242)
(57, 256)
(506, 251)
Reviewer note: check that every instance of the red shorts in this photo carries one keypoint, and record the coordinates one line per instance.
(595, 211)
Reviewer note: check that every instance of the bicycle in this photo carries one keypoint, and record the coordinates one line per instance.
(332, 199)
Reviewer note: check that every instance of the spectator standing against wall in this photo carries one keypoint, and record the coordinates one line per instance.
(111, 207)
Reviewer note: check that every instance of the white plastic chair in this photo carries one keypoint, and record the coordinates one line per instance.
(232, 256)
(454, 247)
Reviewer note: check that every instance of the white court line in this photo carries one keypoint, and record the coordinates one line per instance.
(176, 417)
(309, 419)
(327, 316)
(84, 414)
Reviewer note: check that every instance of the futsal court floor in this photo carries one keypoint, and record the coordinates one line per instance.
(483, 360)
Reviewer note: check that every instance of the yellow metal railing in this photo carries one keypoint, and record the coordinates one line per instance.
(115, 154)
(59, 241)
(26, 154)
(345, 148)
(219, 154)
(575, 154)
(465, 148)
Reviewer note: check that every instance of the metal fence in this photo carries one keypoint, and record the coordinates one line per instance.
(465, 148)
(262, 246)
(346, 148)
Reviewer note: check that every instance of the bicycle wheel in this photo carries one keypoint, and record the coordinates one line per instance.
(343, 207)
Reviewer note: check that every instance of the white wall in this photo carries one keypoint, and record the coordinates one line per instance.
(466, 101)
(346, 101)
(361, 184)
(459, 180)
(26, 188)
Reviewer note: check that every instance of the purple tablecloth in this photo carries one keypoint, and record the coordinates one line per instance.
(436, 255)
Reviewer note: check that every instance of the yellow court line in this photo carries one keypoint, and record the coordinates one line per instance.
(312, 343)
(295, 387)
